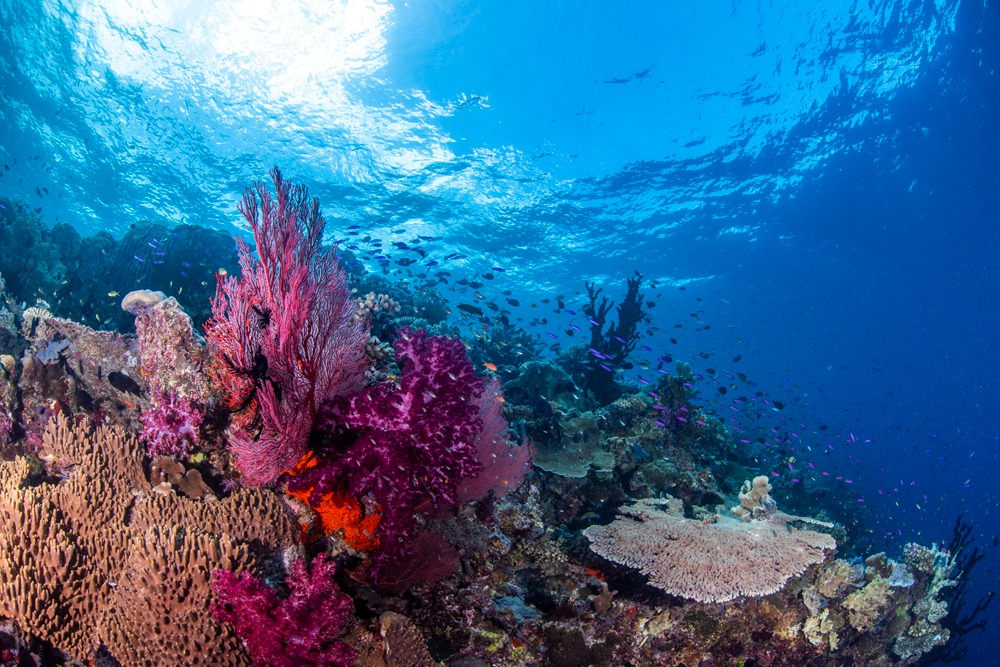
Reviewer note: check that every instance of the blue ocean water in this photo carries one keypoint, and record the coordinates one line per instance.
(810, 191)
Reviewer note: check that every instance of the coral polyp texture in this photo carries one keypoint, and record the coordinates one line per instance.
(713, 560)
(99, 558)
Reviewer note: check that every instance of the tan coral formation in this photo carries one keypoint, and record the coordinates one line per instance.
(708, 561)
(755, 499)
(99, 558)
(404, 645)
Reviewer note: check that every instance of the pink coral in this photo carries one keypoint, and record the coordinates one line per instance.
(406, 447)
(283, 339)
(503, 465)
(171, 359)
(171, 425)
(302, 630)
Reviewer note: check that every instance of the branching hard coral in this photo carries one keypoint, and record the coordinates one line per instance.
(303, 629)
(282, 336)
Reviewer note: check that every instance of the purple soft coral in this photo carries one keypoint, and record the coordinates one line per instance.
(303, 629)
(407, 447)
(171, 425)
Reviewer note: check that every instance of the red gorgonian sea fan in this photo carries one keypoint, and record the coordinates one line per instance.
(282, 340)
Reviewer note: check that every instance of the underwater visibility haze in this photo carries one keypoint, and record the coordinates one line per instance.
(361, 332)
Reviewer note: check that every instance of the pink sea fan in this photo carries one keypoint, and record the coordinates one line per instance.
(283, 340)
(503, 465)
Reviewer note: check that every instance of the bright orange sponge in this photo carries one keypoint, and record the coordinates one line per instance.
(340, 512)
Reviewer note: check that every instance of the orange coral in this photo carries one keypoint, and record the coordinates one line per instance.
(340, 512)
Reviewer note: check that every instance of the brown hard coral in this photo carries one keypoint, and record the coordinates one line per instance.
(99, 559)
(404, 644)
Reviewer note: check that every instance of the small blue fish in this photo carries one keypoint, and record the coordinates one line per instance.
(139, 259)
(638, 452)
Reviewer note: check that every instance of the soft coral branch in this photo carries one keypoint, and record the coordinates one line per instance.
(304, 629)
(406, 447)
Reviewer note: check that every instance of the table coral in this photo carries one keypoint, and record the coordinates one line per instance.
(709, 561)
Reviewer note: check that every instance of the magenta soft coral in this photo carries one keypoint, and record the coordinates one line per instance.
(282, 336)
(304, 629)
(407, 448)
(171, 425)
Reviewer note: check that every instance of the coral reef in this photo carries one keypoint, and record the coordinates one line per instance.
(308, 495)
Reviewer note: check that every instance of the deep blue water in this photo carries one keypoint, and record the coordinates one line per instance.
(822, 179)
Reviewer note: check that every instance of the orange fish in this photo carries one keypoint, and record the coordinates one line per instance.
(489, 366)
